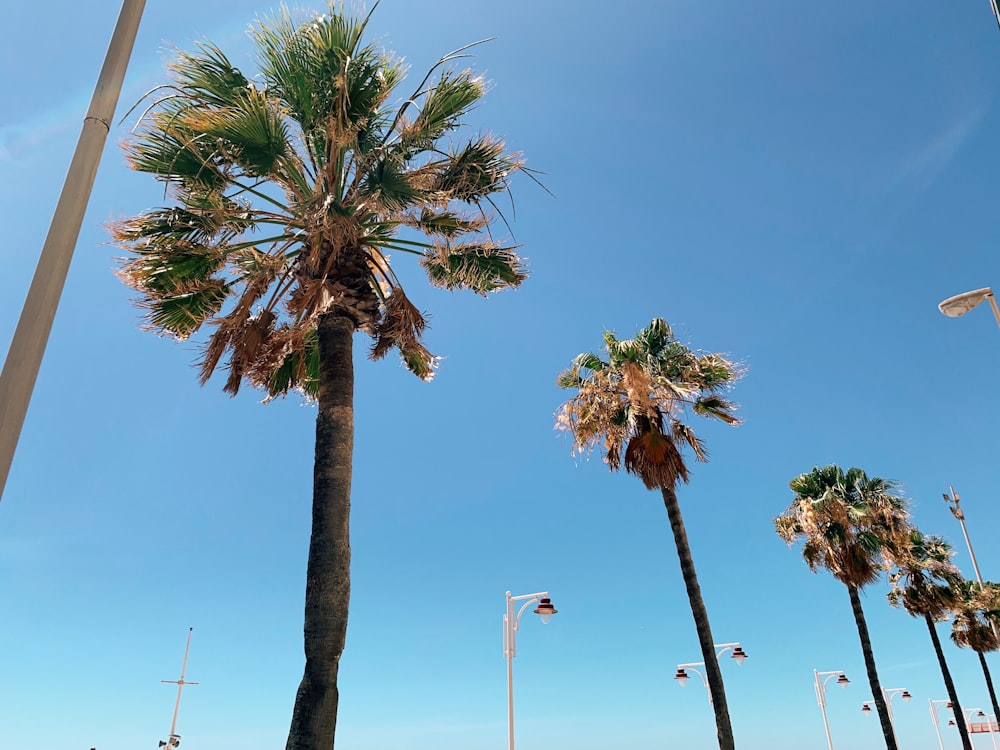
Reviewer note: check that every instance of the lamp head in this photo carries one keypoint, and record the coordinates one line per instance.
(951, 722)
(960, 304)
(865, 708)
(545, 610)
(843, 681)
(681, 677)
(906, 696)
(740, 655)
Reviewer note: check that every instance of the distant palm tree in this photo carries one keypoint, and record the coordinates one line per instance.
(923, 584)
(288, 190)
(633, 404)
(845, 520)
(976, 618)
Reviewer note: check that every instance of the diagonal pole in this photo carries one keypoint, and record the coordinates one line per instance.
(172, 739)
(24, 358)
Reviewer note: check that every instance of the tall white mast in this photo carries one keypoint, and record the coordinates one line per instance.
(175, 739)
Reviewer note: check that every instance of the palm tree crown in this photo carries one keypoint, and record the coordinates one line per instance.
(633, 403)
(923, 579)
(846, 521)
(291, 188)
(976, 612)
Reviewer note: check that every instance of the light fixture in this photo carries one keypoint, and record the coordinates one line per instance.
(681, 677)
(960, 304)
(951, 722)
(740, 655)
(866, 709)
(545, 610)
(906, 696)
(843, 681)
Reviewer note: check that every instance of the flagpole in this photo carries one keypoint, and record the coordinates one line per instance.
(24, 358)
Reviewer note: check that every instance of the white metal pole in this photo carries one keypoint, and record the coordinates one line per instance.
(24, 358)
(180, 687)
(821, 698)
(990, 297)
(937, 725)
(508, 625)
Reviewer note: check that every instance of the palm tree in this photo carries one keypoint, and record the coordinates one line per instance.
(845, 520)
(288, 189)
(922, 584)
(976, 617)
(632, 405)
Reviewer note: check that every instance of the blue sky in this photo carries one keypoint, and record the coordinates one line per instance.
(796, 184)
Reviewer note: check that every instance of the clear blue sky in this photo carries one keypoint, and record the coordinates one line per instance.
(797, 184)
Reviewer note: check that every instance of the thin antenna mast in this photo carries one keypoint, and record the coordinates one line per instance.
(175, 739)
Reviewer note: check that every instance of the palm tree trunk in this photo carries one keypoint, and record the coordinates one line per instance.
(328, 576)
(989, 684)
(949, 684)
(866, 649)
(712, 672)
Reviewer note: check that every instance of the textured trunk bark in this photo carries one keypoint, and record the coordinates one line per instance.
(866, 649)
(949, 684)
(712, 672)
(328, 575)
(989, 684)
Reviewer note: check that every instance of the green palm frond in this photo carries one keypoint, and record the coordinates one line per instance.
(474, 172)
(208, 77)
(481, 267)
(441, 109)
(253, 130)
(183, 313)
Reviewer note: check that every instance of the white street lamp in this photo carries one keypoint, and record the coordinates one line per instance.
(960, 304)
(953, 501)
(889, 694)
(720, 648)
(935, 705)
(822, 678)
(967, 712)
(511, 624)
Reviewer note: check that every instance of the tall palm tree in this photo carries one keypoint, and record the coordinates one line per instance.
(288, 189)
(923, 584)
(845, 520)
(976, 618)
(633, 404)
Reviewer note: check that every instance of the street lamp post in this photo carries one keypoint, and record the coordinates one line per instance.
(720, 648)
(889, 694)
(24, 358)
(511, 624)
(174, 739)
(822, 678)
(953, 501)
(967, 712)
(935, 705)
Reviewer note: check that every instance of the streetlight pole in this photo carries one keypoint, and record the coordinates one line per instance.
(967, 712)
(934, 705)
(822, 678)
(511, 624)
(24, 358)
(720, 648)
(953, 501)
(889, 694)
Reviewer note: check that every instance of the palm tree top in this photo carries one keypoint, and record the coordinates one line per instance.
(977, 615)
(633, 403)
(846, 520)
(923, 579)
(291, 187)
